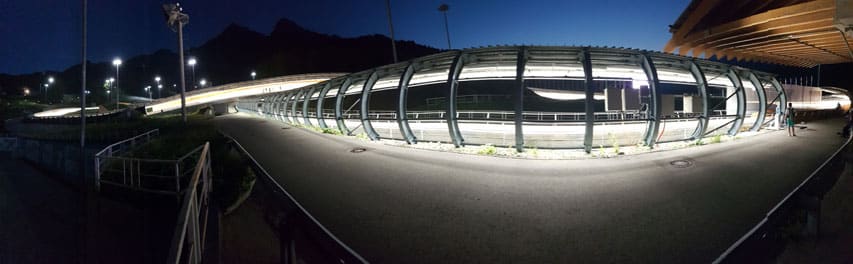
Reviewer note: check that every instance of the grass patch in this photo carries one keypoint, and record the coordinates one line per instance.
(488, 149)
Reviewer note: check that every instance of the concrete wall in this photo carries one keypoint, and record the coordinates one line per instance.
(58, 158)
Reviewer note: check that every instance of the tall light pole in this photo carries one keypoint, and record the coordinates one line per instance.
(117, 63)
(49, 83)
(391, 28)
(192, 63)
(253, 75)
(148, 89)
(176, 21)
(157, 79)
(443, 9)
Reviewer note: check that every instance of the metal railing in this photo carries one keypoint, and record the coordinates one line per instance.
(188, 239)
(323, 240)
(751, 245)
(149, 175)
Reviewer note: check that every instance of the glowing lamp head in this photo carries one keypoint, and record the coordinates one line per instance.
(50, 79)
(191, 62)
(202, 82)
(157, 79)
(117, 62)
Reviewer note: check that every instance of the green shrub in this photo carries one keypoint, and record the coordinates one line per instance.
(333, 131)
(717, 138)
(488, 149)
(614, 143)
(362, 136)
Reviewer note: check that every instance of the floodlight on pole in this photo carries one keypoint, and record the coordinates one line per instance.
(253, 75)
(443, 8)
(391, 29)
(176, 21)
(192, 63)
(50, 80)
(117, 63)
(157, 79)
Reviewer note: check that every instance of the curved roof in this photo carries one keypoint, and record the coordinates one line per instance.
(790, 32)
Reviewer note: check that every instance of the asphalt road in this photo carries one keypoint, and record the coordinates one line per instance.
(401, 205)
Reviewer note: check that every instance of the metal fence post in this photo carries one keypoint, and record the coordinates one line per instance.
(365, 106)
(453, 86)
(702, 87)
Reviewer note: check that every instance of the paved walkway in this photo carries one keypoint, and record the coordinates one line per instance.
(39, 216)
(399, 205)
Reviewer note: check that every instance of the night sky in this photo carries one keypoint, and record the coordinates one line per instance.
(45, 35)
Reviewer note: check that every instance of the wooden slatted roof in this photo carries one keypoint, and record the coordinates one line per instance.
(790, 32)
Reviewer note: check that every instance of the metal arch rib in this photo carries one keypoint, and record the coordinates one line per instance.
(295, 104)
(402, 103)
(654, 106)
(339, 100)
(762, 101)
(453, 85)
(365, 106)
(305, 102)
(741, 102)
(320, 98)
(284, 107)
(702, 87)
(521, 61)
(590, 95)
(783, 97)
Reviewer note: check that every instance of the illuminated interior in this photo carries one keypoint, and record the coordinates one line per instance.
(482, 96)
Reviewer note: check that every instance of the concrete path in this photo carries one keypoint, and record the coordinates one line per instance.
(400, 205)
(39, 216)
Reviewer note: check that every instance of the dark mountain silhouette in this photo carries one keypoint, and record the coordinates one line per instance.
(230, 57)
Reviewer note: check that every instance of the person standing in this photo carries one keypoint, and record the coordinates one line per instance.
(789, 118)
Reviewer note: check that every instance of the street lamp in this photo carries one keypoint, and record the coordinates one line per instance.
(202, 82)
(176, 21)
(117, 63)
(46, 85)
(192, 63)
(443, 9)
(157, 79)
(253, 75)
(148, 89)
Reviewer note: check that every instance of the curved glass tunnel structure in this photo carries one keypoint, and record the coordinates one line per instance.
(542, 97)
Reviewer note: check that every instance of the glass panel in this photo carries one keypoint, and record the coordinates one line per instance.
(329, 102)
(485, 108)
(383, 103)
(490, 64)
(722, 111)
(681, 103)
(554, 113)
(351, 105)
(752, 103)
(621, 99)
(290, 101)
(312, 106)
(773, 101)
(426, 102)
(554, 99)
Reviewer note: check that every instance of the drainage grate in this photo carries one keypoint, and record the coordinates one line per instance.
(682, 163)
(358, 150)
